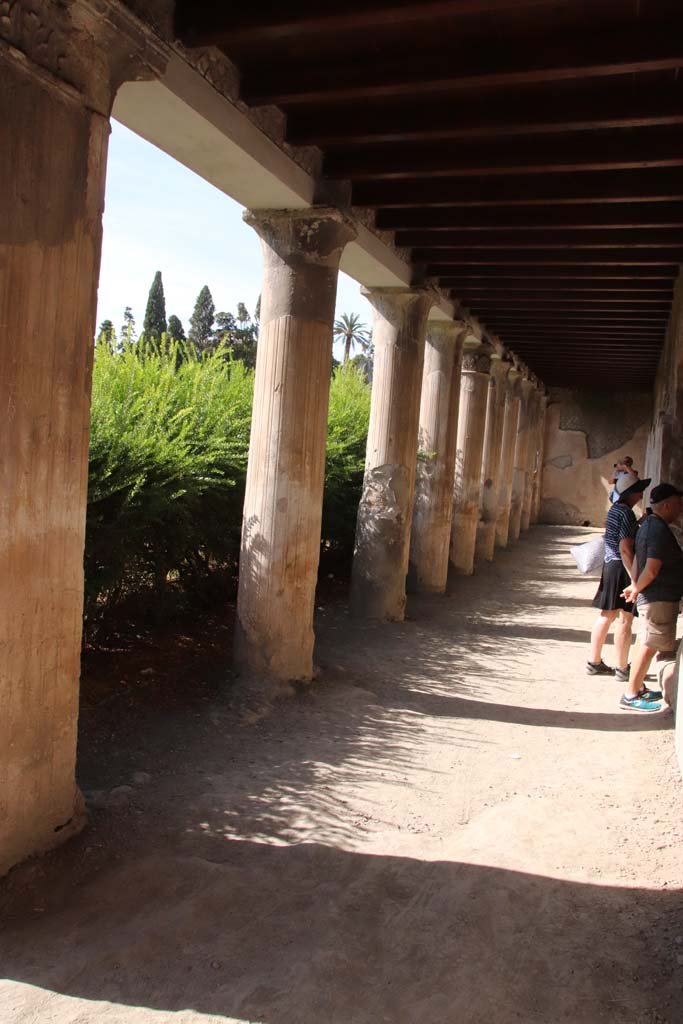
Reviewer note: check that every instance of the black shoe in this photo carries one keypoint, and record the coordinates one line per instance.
(623, 674)
(598, 670)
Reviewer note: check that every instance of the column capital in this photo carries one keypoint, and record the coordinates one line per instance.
(476, 358)
(500, 368)
(73, 47)
(447, 331)
(394, 303)
(314, 234)
(513, 383)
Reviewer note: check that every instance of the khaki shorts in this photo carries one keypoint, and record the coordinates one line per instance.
(657, 628)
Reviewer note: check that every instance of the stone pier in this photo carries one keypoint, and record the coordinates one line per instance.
(474, 381)
(55, 98)
(437, 434)
(513, 391)
(380, 563)
(521, 460)
(492, 460)
(531, 455)
(538, 475)
(284, 489)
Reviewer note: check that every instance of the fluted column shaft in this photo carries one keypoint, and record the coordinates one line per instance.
(513, 392)
(380, 562)
(284, 488)
(492, 460)
(474, 381)
(531, 455)
(521, 461)
(55, 99)
(433, 508)
(538, 476)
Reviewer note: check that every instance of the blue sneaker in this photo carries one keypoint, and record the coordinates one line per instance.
(646, 694)
(639, 704)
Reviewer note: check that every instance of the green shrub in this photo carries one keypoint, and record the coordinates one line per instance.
(168, 457)
(347, 432)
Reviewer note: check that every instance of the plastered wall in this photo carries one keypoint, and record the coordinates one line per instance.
(586, 433)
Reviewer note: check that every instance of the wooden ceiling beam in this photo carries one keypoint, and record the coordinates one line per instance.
(644, 185)
(488, 116)
(559, 276)
(207, 23)
(557, 333)
(558, 288)
(575, 317)
(600, 151)
(482, 220)
(498, 65)
(587, 258)
(593, 300)
(558, 241)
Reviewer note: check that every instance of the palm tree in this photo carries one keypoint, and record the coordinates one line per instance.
(351, 331)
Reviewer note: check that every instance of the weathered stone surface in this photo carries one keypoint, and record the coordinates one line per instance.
(433, 508)
(536, 406)
(585, 411)
(52, 168)
(380, 562)
(474, 381)
(538, 474)
(562, 461)
(513, 393)
(492, 461)
(521, 462)
(284, 488)
(575, 487)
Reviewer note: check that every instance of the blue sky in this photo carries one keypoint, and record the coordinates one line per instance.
(160, 216)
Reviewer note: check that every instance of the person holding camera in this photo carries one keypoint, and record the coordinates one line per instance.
(621, 469)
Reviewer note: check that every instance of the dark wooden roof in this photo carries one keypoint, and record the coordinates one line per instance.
(529, 153)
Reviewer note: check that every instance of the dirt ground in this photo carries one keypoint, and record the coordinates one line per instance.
(454, 825)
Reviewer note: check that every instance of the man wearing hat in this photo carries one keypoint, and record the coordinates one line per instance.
(657, 574)
(621, 527)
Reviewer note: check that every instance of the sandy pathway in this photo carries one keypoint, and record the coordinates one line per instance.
(455, 825)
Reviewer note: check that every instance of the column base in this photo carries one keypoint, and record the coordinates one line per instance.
(503, 529)
(486, 540)
(269, 667)
(428, 565)
(32, 837)
(463, 541)
(515, 523)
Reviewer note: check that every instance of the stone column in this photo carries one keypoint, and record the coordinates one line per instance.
(513, 391)
(380, 561)
(56, 89)
(538, 476)
(492, 460)
(521, 462)
(284, 488)
(531, 457)
(439, 404)
(474, 381)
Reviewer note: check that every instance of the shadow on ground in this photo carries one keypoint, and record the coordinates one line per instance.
(227, 886)
(307, 934)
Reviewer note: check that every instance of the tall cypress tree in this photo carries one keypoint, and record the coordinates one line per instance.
(201, 321)
(127, 327)
(175, 328)
(107, 333)
(155, 315)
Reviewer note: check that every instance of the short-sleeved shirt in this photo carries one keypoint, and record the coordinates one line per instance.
(620, 524)
(655, 540)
